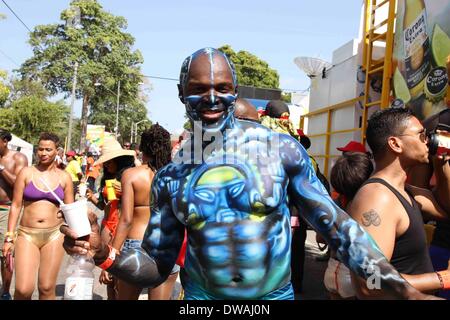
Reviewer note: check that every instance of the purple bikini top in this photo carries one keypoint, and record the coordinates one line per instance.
(32, 193)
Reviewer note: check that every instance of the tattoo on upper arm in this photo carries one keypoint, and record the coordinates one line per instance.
(371, 217)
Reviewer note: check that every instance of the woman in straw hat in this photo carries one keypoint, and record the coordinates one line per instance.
(38, 247)
(115, 161)
(136, 182)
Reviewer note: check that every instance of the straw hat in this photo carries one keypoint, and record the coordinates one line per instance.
(112, 149)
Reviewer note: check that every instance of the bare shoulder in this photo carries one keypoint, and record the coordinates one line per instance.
(372, 198)
(25, 173)
(64, 174)
(19, 156)
(131, 173)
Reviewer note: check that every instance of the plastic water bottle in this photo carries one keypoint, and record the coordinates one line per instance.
(80, 283)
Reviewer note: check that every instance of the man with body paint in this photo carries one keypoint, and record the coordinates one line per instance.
(233, 202)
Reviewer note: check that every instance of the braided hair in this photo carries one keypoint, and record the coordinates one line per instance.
(156, 145)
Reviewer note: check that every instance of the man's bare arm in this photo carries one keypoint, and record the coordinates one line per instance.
(442, 190)
(428, 203)
(20, 162)
(353, 246)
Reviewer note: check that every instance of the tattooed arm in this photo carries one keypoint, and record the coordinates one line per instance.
(379, 215)
(377, 210)
(353, 246)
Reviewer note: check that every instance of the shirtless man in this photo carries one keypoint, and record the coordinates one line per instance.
(11, 162)
(245, 110)
(234, 205)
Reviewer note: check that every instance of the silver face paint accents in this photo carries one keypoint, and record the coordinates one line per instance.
(214, 102)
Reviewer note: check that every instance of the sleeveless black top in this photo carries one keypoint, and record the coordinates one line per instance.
(410, 255)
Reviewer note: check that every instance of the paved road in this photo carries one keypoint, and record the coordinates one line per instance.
(313, 287)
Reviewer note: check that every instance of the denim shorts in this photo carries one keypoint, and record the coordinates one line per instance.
(135, 243)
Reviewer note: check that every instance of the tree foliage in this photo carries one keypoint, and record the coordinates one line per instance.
(28, 112)
(4, 89)
(286, 97)
(95, 39)
(251, 70)
(28, 116)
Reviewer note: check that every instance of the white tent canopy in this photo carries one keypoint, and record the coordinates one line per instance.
(21, 145)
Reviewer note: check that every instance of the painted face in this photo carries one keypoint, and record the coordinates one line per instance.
(46, 152)
(208, 88)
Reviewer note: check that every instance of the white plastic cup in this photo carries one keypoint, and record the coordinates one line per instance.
(82, 188)
(76, 216)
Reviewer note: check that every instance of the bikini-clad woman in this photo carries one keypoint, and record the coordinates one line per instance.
(136, 182)
(38, 246)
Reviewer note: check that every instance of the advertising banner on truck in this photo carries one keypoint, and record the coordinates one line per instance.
(421, 51)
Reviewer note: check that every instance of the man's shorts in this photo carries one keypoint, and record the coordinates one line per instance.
(135, 243)
(4, 213)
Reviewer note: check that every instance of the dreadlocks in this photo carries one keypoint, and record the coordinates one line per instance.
(155, 144)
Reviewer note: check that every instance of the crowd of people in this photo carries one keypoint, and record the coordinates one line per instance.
(233, 225)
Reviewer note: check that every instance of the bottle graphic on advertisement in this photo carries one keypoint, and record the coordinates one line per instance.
(416, 46)
(80, 282)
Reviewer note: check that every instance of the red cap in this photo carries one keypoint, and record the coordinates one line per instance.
(70, 153)
(300, 132)
(353, 146)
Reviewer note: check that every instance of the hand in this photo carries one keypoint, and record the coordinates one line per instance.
(117, 187)
(105, 277)
(319, 239)
(423, 296)
(90, 196)
(443, 157)
(91, 244)
(7, 247)
(414, 294)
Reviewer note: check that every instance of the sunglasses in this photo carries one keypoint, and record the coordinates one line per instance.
(422, 135)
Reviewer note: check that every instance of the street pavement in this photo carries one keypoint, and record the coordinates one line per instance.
(313, 287)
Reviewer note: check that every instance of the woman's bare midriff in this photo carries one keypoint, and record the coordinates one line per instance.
(40, 215)
(141, 216)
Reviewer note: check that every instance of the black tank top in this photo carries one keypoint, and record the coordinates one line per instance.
(410, 255)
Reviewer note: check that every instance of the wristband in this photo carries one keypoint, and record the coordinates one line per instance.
(444, 278)
(9, 234)
(110, 260)
(9, 240)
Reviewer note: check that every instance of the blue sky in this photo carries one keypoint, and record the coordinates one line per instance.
(168, 31)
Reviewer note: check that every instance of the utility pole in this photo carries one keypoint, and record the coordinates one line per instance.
(136, 128)
(74, 87)
(117, 110)
(131, 134)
